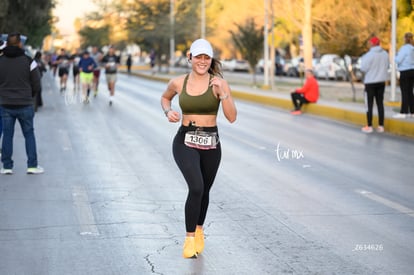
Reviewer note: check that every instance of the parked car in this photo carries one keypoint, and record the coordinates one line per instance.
(182, 62)
(235, 65)
(293, 67)
(280, 63)
(356, 69)
(331, 66)
(296, 66)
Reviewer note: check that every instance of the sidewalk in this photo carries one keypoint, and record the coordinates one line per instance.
(335, 102)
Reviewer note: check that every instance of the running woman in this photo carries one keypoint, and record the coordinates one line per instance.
(196, 146)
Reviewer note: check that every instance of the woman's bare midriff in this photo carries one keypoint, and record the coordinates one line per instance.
(200, 120)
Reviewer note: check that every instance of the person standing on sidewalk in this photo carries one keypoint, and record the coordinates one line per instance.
(405, 64)
(309, 93)
(2, 46)
(129, 63)
(196, 146)
(375, 64)
(19, 85)
(111, 62)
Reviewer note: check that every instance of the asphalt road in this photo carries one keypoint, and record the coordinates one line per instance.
(294, 195)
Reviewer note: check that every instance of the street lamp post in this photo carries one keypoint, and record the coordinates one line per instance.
(203, 18)
(172, 39)
(393, 48)
(266, 46)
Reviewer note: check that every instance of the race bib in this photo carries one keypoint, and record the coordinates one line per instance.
(201, 140)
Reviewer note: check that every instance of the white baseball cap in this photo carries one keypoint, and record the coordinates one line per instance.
(201, 46)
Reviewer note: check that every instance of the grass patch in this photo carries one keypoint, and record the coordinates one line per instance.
(349, 99)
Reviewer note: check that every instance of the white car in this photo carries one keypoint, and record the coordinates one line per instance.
(235, 65)
(331, 66)
(278, 69)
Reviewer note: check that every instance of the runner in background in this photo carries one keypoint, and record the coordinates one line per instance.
(63, 63)
(97, 56)
(75, 69)
(111, 62)
(53, 63)
(86, 66)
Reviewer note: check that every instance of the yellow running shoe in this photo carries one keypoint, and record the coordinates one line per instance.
(199, 240)
(189, 249)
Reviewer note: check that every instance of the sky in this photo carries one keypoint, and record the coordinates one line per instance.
(68, 10)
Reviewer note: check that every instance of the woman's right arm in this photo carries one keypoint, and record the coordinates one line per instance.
(166, 99)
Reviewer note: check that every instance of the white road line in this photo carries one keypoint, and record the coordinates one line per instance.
(254, 145)
(84, 212)
(386, 202)
(64, 137)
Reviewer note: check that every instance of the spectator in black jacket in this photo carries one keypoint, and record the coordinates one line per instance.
(2, 46)
(19, 85)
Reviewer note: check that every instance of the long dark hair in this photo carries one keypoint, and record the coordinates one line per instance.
(215, 68)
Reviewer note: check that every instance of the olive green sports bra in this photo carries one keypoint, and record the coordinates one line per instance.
(204, 104)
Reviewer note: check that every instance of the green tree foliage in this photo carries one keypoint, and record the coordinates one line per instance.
(187, 22)
(248, 39)
(339, 26)
(94, 36)
(31, 18)
(405, 13)
(149, 25)
(344, 27)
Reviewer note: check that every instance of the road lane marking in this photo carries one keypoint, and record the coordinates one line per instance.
(65, 139)
(396, 206)
(254, 145)
(84, 212)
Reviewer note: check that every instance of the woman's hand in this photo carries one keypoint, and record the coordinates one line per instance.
(217, 84)
(173, 116)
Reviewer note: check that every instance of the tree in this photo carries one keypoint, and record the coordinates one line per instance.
(31, 18)
(94, 36)
(341, 27)
(405, 11)
(149, 26)
(248, 39)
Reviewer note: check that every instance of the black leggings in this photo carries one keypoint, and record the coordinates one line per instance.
(199, 168)
(407, 96)
(375, 91)
(298, 100)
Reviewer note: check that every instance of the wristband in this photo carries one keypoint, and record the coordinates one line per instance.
(224, 97)
(166, 111)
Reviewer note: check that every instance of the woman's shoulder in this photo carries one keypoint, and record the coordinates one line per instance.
(178, 80)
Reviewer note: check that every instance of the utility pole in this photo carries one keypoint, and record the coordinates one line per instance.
(393, 48)
(307, 35)
(172, 35)
(265, 44)
(203, 18)
(272, 68)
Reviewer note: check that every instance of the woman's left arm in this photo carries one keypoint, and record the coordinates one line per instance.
(222, 90)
